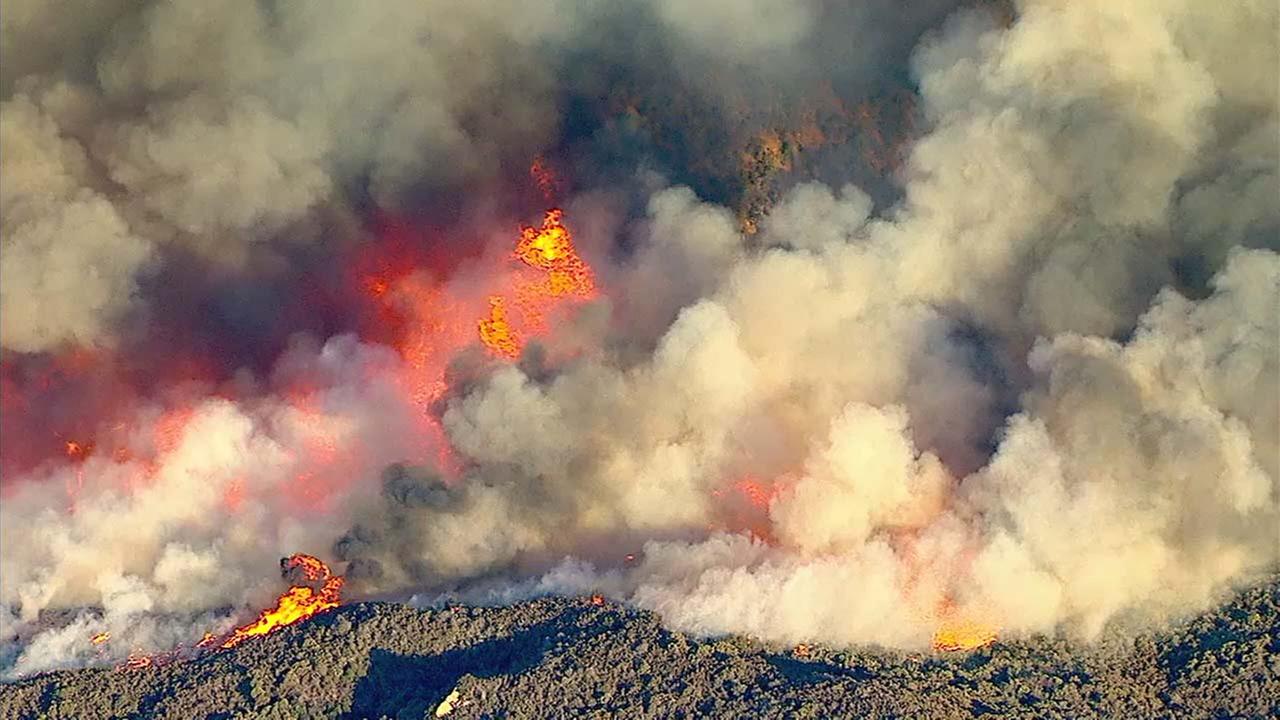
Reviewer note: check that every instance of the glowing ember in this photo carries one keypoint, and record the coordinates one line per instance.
(496, 332)
(377, 286)
(597, 600)
(543, 247)
(297, 603)
(550, 273)
(100, 638)
(544, 177)
(136, 661)
(550, 248)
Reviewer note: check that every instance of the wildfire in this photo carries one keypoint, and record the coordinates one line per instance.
(963, 634)
(550, 248)
(136, 661)
(957, 631)
(294, 605)
(551, 272)
(77, 452)
(297, 603)
(545, 179)
(496, 332)
(744, 504)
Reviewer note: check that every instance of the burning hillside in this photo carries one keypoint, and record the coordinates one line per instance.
(926, 327)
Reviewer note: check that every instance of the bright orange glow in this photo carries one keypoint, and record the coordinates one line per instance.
(496, 332)
(962, 634)
(297, 603)
(961, 630)
(551, 273)
(744, 505)
(756, 492)
(550, 248)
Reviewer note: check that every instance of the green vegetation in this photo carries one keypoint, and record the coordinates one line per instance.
(558, 657)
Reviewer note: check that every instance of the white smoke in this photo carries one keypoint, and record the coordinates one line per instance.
(1136, 481)
(1039, 393)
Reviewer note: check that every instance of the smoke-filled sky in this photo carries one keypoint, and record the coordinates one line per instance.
(1002, 349)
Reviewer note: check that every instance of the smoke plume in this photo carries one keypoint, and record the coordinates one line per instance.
(257, 292)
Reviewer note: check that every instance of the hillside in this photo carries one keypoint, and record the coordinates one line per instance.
(557, 657)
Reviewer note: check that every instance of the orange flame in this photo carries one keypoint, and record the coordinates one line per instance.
(297, 603)
(963, 634)
(496, 332)
(959, 632)
(136, 661)
(100, 638)
(550, 248)
(744, 505)
(558, 273)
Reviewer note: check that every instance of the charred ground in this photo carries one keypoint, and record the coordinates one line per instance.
(557, 657)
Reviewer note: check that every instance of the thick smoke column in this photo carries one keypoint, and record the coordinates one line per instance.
(1037, 393)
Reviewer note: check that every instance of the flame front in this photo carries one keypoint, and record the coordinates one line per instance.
(297, 603)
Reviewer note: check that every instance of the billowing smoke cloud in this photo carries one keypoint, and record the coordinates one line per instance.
(1038, 393)
(864, 366)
